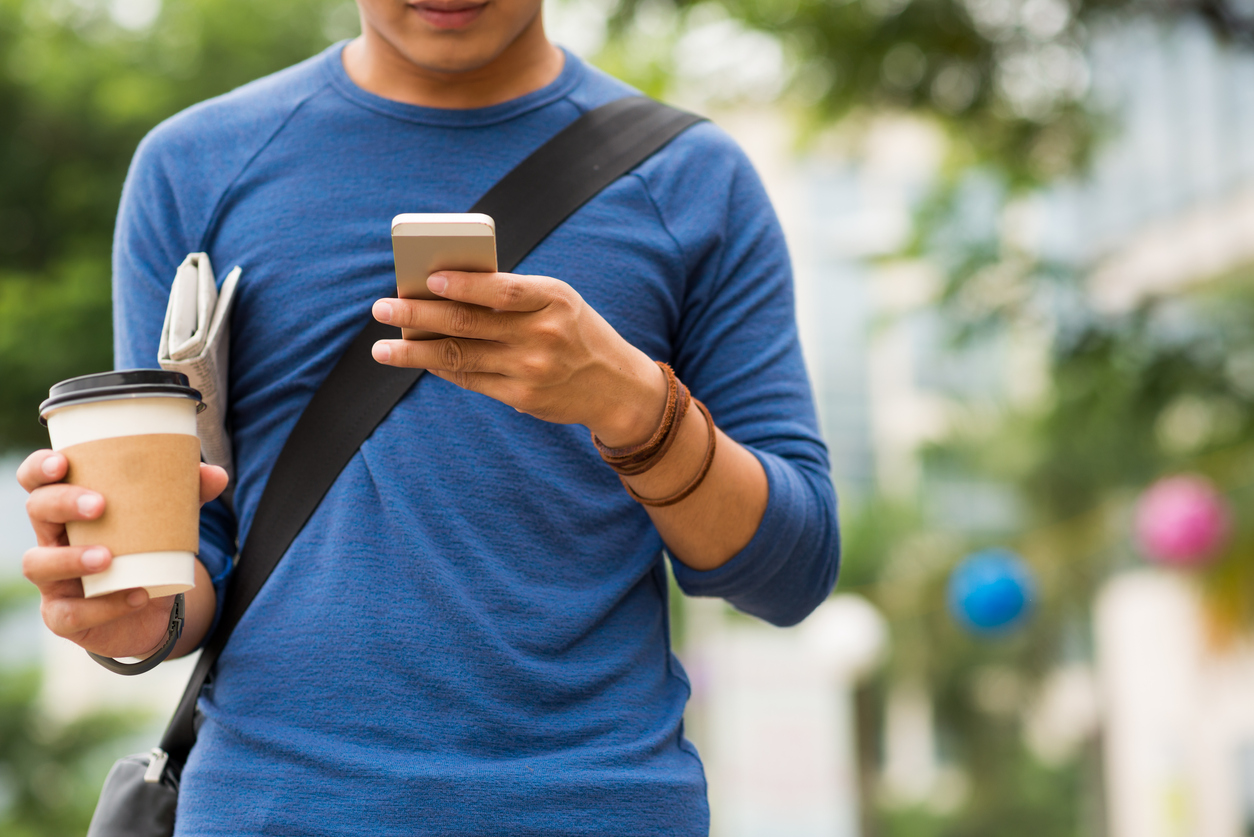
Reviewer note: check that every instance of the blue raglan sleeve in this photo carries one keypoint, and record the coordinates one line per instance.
(156, 229)
(737, 349)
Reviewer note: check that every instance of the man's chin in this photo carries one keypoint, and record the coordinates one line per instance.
(449, 55)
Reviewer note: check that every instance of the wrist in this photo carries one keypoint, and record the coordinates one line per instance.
(163, 637)
(634, 408)
(152, 660)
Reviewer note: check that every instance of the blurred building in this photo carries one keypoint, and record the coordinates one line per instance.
(1179, 717)
(1169, 203)
(1170, 199)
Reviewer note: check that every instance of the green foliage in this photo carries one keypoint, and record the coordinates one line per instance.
(1166, 387)
(1163, 388)
(1040, 801)
(981, 738)
(869, 534)
(49, 773)
(1007, 80)
(78, 92)
(53, 325)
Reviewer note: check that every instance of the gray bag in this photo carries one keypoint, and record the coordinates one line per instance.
(132, 806)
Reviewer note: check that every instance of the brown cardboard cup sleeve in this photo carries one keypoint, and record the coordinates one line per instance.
(151, 486)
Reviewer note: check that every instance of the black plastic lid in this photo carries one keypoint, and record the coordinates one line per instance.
(125, 383)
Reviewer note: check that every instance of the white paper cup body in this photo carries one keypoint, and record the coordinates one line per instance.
(160, 573)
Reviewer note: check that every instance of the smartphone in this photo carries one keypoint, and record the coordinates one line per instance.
(423, 244)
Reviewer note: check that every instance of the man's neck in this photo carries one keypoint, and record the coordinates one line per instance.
(529, 63)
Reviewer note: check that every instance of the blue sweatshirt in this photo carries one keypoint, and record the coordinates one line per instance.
(470, 635)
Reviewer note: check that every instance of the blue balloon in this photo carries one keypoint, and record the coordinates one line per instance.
(991, 591)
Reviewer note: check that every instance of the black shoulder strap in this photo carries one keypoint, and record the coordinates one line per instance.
(530, 202)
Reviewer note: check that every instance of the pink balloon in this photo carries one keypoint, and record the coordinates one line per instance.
(1182, 520)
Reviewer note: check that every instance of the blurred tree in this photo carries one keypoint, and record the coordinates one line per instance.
(1166, 387)
(81, 84)
(1131, 397)
(49, 773)
(1008, 78)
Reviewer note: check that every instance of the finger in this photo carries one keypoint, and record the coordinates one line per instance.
(45, 565)
(41, 468)
(52, 506)
(213, 480)
(68, 616)
(50, 467)
(445, 317)
(450, 354)
(501, 291)
(497, 387)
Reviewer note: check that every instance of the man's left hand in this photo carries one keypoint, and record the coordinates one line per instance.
(533, 343)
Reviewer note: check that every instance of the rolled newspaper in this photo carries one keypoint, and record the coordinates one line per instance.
(195, 340)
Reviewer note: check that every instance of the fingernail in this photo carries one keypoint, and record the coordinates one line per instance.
(383, 312)
(95, 558)
(437, 282)
(381, 352)
(137, 598)
(89, 505)
(50, 466)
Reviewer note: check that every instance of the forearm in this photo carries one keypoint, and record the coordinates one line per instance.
(199, 605)
(790, 565)
(760, 528)
(708, 527)
(713, 523)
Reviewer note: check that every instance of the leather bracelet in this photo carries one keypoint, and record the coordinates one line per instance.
(635, 460)
(641, 465)
(149, 663)
(696, 481)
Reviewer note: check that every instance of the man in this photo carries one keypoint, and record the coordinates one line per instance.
(470, 635)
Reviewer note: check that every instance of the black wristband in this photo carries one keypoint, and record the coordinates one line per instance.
(149, 663)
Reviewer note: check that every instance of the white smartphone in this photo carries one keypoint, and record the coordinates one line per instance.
(425, 243)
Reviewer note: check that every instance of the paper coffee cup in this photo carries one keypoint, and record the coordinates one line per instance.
(131, 437)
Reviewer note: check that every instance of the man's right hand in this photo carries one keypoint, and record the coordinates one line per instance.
(123, 624)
